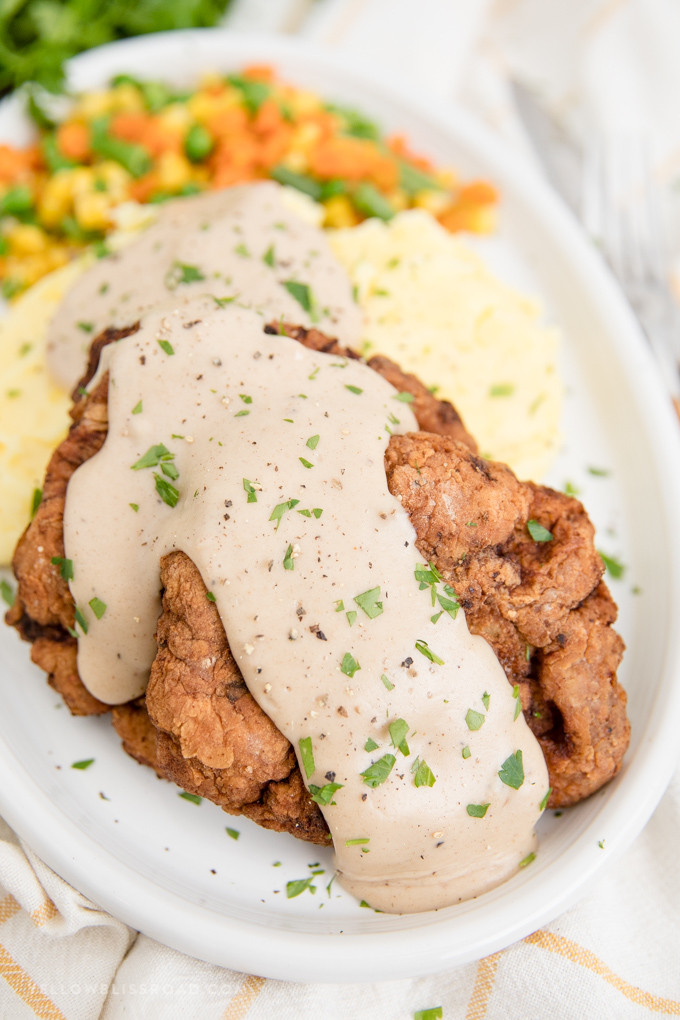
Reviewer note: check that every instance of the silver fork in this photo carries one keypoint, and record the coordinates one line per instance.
(621, 210)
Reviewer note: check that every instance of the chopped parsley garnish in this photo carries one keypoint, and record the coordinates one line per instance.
(425, 650)
(182, 272)
(193, 797)
(512, 771)
(307, 756)
(168, 493)
(280, 509)
(154, 456)
(303, 295)
(234, 833)
(349, 665)
(466, 752)
(538, 532)
(323, 795)
(135, 506)
(8, 594)
(518, 701)
(388, 684)
(166, 346)
(241, 414)
(86, 327)
(404, 396)
(353, 389)
(486, 698)
(433, 1013)
(35, 502)
(351, 615)
(65, 567)
(98, 607)
(241, 250)
(250, 490)
(312, 442)
(80, 620)
(477, 810)
(614, 566)
(599, 472)
(221, 302)
(339, 606)
(359, 841)
(269, 258)
(474, 720)
(137, 409)
(169, 469)
(428, 576)
(305, 463)
(398, 730)
(570, 489)
(423, 774)
(288, 561)
(544, 803)
(84, 764)
(298, 886)
(378, 772)
(501, 390)
(526, 861)
(210, 597)
(368, 601)
(246, 398)
(370, 745)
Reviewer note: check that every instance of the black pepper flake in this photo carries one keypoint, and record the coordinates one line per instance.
(142, 360)
(228, 503)
(364, 796)
(330, 776)
(407, 662)
(190, 325)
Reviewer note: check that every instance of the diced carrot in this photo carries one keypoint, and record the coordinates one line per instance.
(17, 164)
(225, 176)
(268, 118)
(141, 190)
(260, 72)
(272, 150)
(227, 122)
(73, 140)
(399, 146)
(145, 129)
(478, 193)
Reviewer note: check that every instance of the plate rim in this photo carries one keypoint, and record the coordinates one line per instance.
(363, 957)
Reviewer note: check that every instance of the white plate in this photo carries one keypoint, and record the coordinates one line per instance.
(167, 866)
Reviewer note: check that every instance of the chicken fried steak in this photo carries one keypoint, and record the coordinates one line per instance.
(541, 605)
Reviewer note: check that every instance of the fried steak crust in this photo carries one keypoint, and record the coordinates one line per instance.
(541, 606)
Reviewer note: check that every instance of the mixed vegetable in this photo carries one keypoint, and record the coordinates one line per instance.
(142, 141)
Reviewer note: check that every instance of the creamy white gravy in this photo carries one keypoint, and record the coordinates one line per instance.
(252, 422)
(245, 243)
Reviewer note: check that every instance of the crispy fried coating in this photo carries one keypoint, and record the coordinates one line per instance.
(541, 605)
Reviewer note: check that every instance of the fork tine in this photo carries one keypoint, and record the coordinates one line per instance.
(621, 210)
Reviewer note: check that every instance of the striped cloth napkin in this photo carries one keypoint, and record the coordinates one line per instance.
(617, 953)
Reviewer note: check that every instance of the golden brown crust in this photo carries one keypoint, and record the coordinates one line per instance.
(540, 605)
(204, 730)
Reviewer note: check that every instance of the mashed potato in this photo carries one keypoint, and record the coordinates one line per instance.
(432, 304)
(428, 301)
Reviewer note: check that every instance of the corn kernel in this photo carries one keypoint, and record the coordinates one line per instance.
(340, 212)
(202, 106)
(55, 201)
(92, 210)
(117, 180)
(82, 180)
(304, 102)
(173, 171)
(433, 201)
(26, 239)
(175, 117)
(296, 161)
(126, 97)
(93, 104)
